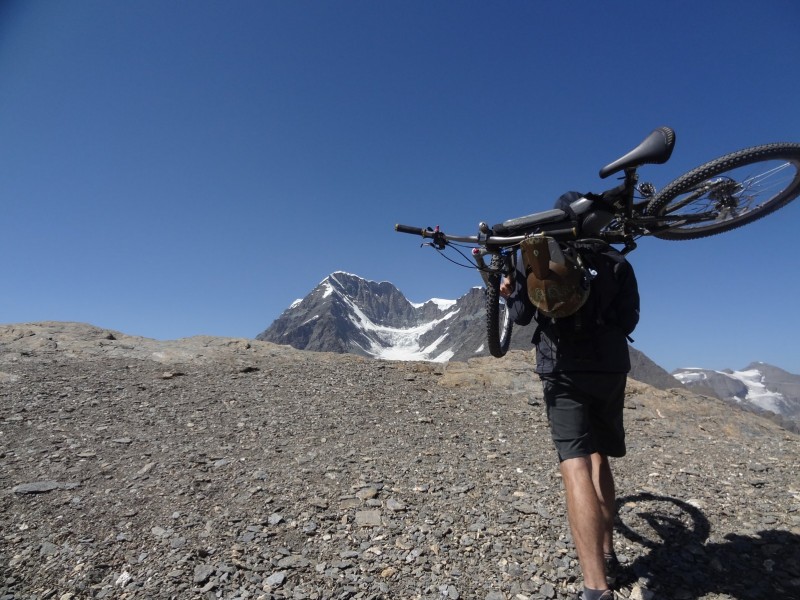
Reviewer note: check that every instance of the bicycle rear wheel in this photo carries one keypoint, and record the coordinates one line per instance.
(728, 192)
(498, 319)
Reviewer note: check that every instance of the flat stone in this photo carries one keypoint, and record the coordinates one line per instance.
(37, 487)
(202, 573)
(368, 518)
(276, 579)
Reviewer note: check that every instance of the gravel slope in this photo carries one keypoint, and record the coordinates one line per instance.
(216, 468)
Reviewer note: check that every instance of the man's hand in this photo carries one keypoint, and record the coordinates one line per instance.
(506, 287)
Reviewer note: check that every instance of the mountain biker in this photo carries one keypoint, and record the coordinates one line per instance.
(583, 361)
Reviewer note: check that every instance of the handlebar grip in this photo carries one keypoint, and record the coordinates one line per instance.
(409, 229)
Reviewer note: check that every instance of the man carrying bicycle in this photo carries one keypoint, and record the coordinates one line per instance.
(585, 302)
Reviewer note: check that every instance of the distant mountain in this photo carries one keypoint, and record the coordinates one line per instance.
(348, 314)
(759, 387)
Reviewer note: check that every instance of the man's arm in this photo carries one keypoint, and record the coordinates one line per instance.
(516, 294)
(627, 301)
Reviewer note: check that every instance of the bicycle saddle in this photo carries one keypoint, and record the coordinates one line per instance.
(654, 150)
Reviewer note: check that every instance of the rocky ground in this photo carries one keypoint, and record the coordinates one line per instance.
(216, 468)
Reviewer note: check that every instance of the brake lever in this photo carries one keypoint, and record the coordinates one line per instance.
(438, 239)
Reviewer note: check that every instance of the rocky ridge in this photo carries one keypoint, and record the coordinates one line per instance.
(220, 468)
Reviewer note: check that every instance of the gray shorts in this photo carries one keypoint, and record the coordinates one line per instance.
(585, 412)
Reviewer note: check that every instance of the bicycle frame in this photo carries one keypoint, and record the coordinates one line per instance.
(551, 223)
(627, 223)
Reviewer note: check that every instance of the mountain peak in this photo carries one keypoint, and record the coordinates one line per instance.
(345, 278)
(347, 313)
(339, 277)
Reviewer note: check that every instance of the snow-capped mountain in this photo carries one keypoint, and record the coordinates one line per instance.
(346, 313)
(759, 385)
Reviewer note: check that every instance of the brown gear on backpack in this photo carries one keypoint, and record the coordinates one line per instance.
(557, 282)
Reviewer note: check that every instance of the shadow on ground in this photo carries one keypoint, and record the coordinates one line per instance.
(681, 564)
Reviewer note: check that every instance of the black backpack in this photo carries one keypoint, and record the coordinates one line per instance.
(607, 269)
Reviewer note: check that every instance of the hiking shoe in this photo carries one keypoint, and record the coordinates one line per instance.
(612, 569)
(607, 595)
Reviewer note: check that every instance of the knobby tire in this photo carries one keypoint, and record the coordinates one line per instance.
(684, 196)
(498, 321)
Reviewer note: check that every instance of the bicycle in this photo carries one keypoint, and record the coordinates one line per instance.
(720, 195)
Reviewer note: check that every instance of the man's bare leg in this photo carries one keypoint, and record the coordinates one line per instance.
(603, 481)
(586, 518)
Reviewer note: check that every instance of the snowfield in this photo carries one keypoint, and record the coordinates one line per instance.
(753, 380)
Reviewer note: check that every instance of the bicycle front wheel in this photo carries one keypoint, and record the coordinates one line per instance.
(728, 192)
(498, 319)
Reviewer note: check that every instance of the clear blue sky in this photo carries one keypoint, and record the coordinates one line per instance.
(178, 168)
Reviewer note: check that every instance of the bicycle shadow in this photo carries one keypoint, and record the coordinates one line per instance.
(682, 565)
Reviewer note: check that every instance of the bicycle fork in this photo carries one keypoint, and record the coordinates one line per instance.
(507, 267)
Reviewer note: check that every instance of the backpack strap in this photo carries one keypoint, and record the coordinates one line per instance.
(564, 203)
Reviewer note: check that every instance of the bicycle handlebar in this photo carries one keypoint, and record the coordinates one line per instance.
(486, 240)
